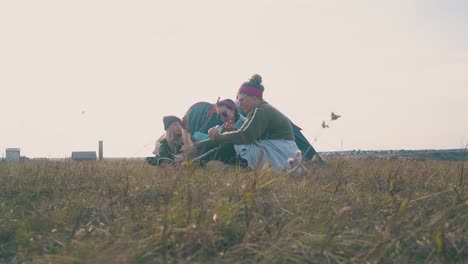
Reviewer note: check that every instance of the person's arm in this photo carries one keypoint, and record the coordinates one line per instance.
(252, 129)
(198, 148)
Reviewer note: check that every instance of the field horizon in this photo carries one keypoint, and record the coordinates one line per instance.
(430, 154)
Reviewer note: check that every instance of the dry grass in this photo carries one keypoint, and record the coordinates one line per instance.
(127, 211)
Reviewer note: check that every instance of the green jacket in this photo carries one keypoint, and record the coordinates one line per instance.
(263, 122)
(166, 152)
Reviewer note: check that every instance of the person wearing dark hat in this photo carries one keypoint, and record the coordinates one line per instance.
(169, 120)
(168, 147)
(266, 134)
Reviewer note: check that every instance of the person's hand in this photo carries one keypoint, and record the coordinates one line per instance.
(179, 158)
(212, 132)
(187, 148)
(229, 126)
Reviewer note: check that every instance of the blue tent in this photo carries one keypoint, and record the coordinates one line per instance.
(303, 144)
(200, 117)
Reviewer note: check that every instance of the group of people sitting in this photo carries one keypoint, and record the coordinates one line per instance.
(250, 134)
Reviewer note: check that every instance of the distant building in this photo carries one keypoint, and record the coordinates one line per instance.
(12, 154)
(84, 155)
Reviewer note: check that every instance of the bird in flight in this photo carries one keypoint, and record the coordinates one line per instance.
(334, 116)
(324, 125)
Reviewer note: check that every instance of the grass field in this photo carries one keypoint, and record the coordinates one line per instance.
(350, 210)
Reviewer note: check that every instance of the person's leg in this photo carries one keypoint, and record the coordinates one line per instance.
(152, 161)
(274, 153)
(249, 155)
(226, 153)
(204, 152)
(241, 162)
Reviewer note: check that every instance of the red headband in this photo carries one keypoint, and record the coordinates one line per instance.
(228, 103)
(251, 91)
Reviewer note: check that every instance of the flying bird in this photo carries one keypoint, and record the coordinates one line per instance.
(324, 125)
(334, 116)
(83, 112)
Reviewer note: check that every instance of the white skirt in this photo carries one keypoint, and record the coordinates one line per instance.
(275, 153)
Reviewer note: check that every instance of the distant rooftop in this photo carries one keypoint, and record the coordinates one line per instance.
(84, 155)
(13, 149)
(12, 155)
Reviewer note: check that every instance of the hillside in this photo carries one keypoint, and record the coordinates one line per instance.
(350, 210)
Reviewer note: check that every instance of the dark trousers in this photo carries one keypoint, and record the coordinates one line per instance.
(225, 153)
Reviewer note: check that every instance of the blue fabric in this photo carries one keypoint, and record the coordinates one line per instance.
(274, 153)
(198, 136)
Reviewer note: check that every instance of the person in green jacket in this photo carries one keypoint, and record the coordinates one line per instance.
(265, 138)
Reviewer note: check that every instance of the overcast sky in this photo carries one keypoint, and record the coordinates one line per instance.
(76, 72)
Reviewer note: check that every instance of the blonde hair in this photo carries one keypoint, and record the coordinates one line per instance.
(177, 139)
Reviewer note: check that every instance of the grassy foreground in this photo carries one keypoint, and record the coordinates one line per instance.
(129, 212)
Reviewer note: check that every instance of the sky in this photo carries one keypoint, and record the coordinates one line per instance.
(76, 72)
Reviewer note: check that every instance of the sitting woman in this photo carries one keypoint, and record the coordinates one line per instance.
(232, 120)
(228, 113)
(169, 147)
(266, 136)
(207, 150)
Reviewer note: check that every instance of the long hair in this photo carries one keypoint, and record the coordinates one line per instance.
(175, 140)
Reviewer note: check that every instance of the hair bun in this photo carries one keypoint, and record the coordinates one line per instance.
(256, 79)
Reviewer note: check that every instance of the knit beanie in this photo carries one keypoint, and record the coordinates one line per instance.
(168, 120)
